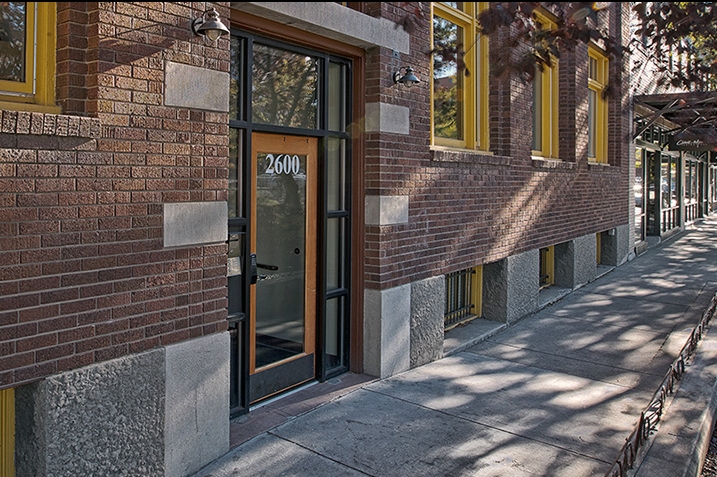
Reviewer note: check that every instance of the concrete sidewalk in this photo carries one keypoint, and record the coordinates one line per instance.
(555, 394)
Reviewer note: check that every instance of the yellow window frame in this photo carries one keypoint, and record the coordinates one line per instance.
(598, 248)
(546, 91)
(7, 433)
(474, 95)
(477, 290)
(37, 92)
(597, 82)
(547, 266)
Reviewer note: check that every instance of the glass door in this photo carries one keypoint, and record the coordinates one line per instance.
(282, 330)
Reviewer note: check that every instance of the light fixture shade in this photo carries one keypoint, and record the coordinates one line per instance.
(211, 27)
(408, 79)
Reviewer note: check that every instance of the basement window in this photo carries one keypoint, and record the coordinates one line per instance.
(463, 297)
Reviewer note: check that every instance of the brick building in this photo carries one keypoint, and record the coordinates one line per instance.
(191, 226)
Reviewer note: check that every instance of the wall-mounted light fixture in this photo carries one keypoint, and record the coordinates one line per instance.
(209, 25)
(407, 79)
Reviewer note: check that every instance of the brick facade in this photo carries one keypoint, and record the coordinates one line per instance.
(468, 208)
(85, 276)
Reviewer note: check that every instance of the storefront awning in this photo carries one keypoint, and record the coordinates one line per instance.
(693, 114)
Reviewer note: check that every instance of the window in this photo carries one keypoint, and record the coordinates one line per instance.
(27, 56)
(464, 290)
(545, 102)
(597, 106)
(460, 95)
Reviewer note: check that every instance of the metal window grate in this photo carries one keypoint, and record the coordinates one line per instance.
(460, 305)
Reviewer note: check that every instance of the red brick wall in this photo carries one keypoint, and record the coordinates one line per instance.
(467, 209)
(84, 273)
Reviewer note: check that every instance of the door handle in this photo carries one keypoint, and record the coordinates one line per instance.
(267, 267)
(253, 274)
(254, 267)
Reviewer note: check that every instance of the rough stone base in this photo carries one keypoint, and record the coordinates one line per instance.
(511, 287)
(575, 262)
(616, 247)
(164, 412)
(427, 308)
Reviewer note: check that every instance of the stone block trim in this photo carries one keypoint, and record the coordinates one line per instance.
(575, 262)
(387, 331)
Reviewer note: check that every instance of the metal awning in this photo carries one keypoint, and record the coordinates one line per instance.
(690, 110)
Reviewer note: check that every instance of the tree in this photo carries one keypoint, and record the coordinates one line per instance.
(681, 39)
(575, 23)
(677, 40)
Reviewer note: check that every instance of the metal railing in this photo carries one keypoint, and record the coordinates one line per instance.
(651, 416)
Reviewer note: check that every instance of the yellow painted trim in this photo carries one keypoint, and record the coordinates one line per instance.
(7, 433)
(598, 85)
(477, 290)
(47, 45)
(598, 248)
(483, 127)
(30, 107)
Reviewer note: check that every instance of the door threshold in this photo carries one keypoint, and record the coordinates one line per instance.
(277, 410)
(282, 395)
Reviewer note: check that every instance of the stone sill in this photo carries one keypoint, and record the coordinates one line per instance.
(601, 167)
(468, 156)
(542, 163)
(48, 124)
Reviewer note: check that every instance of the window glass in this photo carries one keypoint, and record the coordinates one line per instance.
(447, 82)
(284, 88)
(593, 69)
(545, 101)
(336, 99)
(592, 121)
(538, 112)
(13, 41)
(236, 82)
(597, 106)
(235, 179)
(27, 56)
(460, 76)
(335, 171)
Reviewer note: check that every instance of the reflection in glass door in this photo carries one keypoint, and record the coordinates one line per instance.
(283, 240)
